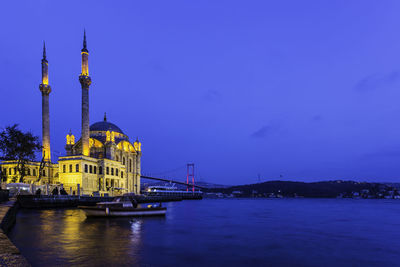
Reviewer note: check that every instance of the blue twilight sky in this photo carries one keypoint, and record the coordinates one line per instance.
(309, 90)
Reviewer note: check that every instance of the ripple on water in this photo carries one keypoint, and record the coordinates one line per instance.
(304, 232)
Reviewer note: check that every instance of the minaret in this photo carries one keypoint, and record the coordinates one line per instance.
(85, 81)
(45, 89)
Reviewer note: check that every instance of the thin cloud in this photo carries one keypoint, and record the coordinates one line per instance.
(383, 153)
(263, 132)
(317, 118)
(156, 66)
(212, 96)
(376, 81)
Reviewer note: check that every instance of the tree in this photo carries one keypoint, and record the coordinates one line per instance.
(18, 146)
(63, 192)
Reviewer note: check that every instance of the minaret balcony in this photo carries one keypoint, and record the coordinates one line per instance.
(85, 80)
(45, 89)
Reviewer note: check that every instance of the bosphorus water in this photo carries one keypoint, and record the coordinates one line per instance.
(219, 232)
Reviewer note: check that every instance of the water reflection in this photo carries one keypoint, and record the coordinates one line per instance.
(136, 225)
(286, 232)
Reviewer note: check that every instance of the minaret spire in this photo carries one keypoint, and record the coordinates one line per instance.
(105, 116)
(44, 50)
(84, 49)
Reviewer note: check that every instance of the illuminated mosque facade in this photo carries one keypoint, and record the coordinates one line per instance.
(103, 160)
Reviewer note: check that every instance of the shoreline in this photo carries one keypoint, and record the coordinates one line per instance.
(9, 253)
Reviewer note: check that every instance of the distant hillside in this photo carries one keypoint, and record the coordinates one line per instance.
(211, 185)
(326, 189)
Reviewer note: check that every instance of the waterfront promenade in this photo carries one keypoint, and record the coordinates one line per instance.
(48, 201)
(9, 253)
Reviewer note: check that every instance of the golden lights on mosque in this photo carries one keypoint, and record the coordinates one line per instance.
(110, 136)
(74, 171)
(95, 143)
(70, 139)
(125, 146)
(85, 151)
(85, 65)
(137, 145)
(45, 74)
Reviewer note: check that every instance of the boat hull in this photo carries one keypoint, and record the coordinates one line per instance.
(110, 212)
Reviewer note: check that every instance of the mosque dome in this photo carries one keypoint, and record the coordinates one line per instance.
(105, 126)
(98, 131)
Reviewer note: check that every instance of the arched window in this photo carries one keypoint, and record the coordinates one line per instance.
(100, 170)
(29, 171)
(130, 165)
(34, 172)
(90, 169)
(107, 170)
(77, 167)
(70, 167)
(64, 166)
(86, 168)
(9, 171)
(117, 158)
(94, 169)
(112, 171)
(116, 172)
(122, 174)
(44, 172)
(123, 160)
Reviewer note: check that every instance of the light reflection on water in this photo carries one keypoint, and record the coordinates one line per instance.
(256, 232)
(77, 240)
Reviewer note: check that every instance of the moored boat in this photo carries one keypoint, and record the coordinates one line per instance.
(172, 191)
(122, 206)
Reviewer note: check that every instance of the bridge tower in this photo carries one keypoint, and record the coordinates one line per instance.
(190, 175)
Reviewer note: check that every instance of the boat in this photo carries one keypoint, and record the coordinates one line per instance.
(172, 191)
(123, 206)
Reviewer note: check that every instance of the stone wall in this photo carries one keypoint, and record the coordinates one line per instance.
(9, 253)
